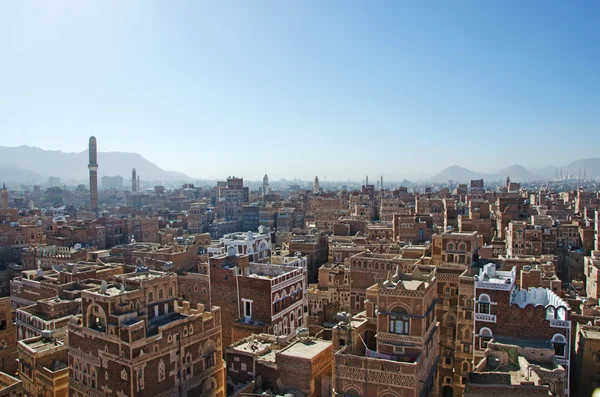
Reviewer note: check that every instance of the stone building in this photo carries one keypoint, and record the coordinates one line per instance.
(534, 318)
(331, 295)
(403, 359)
(458, 248)
(412, 228)
(369, 268)
(8, 338)
(142, 229)
(34, 285)
(510, 368)
(586, 363)
(256, 298)
(10, 386)
(268, 365)
(43, 366)
(135, 339)
(256, 245)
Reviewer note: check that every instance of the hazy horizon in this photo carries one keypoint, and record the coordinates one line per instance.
(297, 90)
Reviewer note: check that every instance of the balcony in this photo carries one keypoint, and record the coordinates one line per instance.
(487, 318)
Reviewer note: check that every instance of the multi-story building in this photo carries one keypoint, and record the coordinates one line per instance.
(10, 386)
(457, 248)
(8, 338)
(43, 366)
(523, 239)
(403, 359)
(529, 319)
(592, 275)
(35, 285)
(586, 363)
(256, 245)
(231, 199)
(256, 298)
(135, 339)
(369, 268)
(411, 228)
(331, 295)
(305, 365)
(388, 207)
(142, 229)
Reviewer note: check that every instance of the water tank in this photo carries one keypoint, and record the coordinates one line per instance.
(302, 333)
(231, 250)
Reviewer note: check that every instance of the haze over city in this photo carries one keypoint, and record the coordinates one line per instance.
(300, 198)
(309, 88)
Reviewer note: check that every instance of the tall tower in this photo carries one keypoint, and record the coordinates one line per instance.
(381, 182)
(93, 167)
(4, 195)
(316, 188)
(266, 189)
(133, 181)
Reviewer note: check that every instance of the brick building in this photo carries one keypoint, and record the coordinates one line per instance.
(256, 298)
(403, 359)
(135, 339)
(534, 318)
(303, 366)
(8, 338)
(457, 248)
(43, 366)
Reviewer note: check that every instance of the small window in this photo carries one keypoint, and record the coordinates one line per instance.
(399, 325)
(483, 304)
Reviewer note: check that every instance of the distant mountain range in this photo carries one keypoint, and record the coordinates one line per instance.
(519, 173)
(27, 164)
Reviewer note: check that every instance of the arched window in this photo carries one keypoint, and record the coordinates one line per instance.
(561, 313)
(550, 313)
(483, 304)
(450, 247)
(161, 371)
(559, 343)
(485, 335)
(170, 291)
(465, 367)
(93, 379)
(399, 324)
(160, 294)
(150, 296)
(462, 247)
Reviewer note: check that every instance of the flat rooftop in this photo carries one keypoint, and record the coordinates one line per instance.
(307, 349)
(40, 344)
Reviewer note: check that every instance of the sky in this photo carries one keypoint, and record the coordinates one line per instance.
(303, 88)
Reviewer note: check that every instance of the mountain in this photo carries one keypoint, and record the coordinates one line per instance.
(455, 173)
(73, 166)
(14, 175)
(591, 167)
(517, 173)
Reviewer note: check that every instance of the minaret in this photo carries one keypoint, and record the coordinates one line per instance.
(93, 167)
(316, 188)
(138, 183)
(381, 182)
(4, 195)
(133, 181)
(265, 186)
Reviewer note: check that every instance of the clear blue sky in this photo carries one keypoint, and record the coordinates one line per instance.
(299, 88)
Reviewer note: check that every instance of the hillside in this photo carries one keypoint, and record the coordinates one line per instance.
(73, 166)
